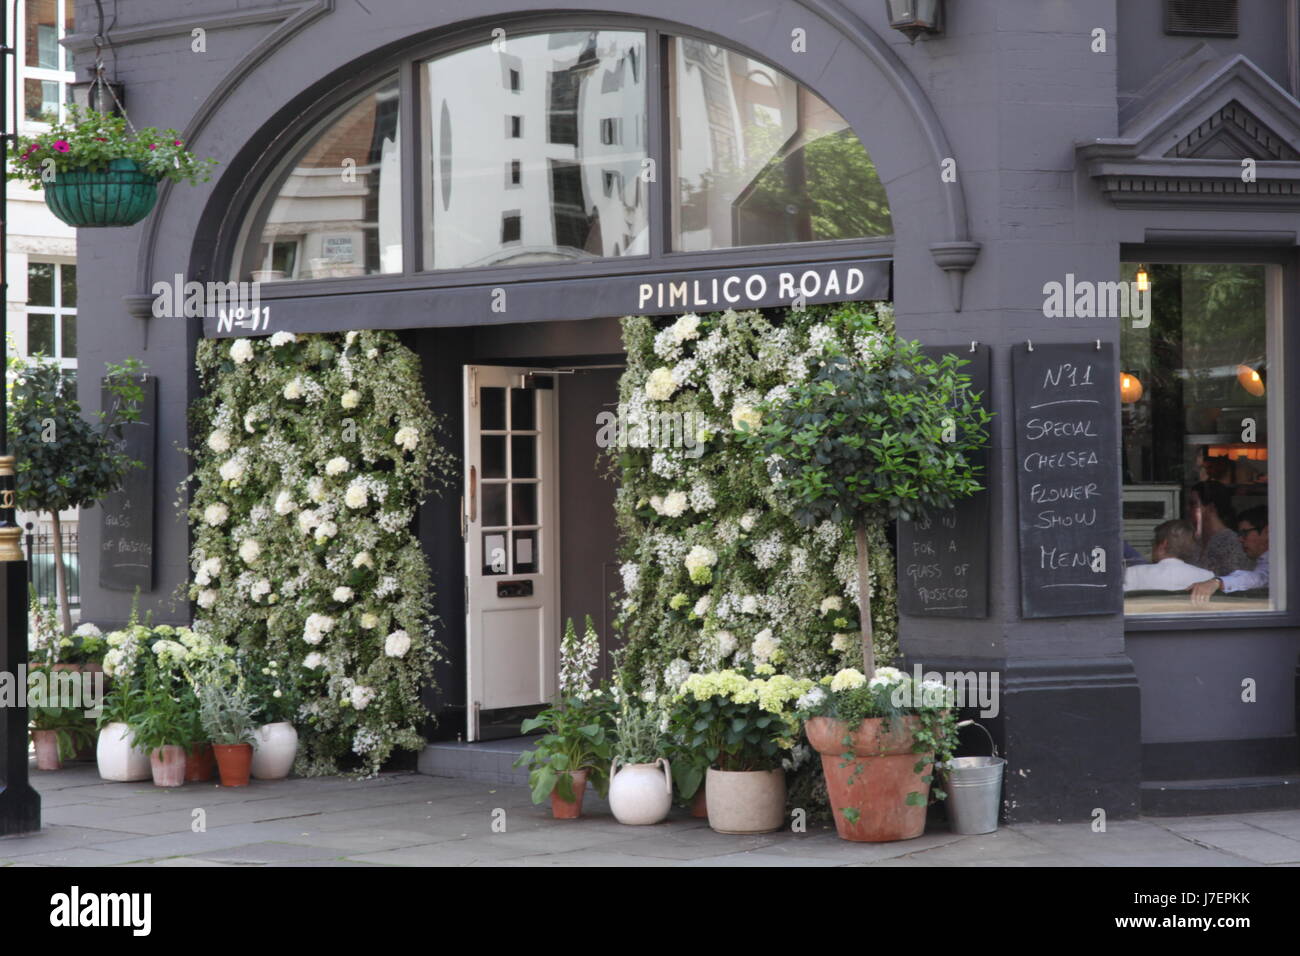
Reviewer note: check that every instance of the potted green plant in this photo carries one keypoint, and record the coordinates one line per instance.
(878, 740)
(743, 724)
(226, 709)
(874, 438)
(116, 753)
(641, 792)
(275, 741)
(97, 170)
(574, 749)
(163, 727)
(57, 731)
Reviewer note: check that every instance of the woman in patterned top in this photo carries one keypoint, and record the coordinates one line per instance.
(1221, 550)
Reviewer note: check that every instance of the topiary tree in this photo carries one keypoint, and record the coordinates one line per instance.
(879, 434)
(64, 460)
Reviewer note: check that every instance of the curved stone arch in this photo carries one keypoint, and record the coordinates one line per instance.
(949, 242)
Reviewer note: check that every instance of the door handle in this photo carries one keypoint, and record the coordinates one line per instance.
(473, 494)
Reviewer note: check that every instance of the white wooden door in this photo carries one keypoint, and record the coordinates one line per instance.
(511, 549)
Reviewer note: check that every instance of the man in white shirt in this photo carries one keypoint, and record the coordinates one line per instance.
(1252, 528)
(1173, 551)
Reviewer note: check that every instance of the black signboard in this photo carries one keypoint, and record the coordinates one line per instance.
(943, 566)
(126, 516)
(1067, 479)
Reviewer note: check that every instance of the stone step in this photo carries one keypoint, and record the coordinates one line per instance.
(1168, 798)
(487, 761)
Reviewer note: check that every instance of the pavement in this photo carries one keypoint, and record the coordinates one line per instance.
(409, 819)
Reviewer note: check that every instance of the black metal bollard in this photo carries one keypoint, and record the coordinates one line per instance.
(20, 804)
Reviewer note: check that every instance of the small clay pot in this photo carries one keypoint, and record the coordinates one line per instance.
(234, 761)
(563, 809)
(47, 749)
(168, 766)
(199, 764)
(699, 804)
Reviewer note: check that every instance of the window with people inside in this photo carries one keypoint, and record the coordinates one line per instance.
(1198, 406)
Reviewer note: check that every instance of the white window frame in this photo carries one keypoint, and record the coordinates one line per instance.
(57, 312)
(27, 72)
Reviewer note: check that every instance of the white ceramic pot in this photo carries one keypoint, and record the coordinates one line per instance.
(274, 748)
(748, 801)
(118, 757)
(640, 793)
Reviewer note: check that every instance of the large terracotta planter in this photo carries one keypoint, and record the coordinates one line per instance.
(233, 763)
(876, 781)
(274, 748)
(168, 766)
(745, 801)
(47, 749)
(118, 757)
(200, 764)
(563, 809)
(641, 794)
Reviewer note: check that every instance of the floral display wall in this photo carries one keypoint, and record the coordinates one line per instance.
(715, 570)
(313, 454)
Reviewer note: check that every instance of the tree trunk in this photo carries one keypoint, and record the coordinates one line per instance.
(864, 601)
(60, 575)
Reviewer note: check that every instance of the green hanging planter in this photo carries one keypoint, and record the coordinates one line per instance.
(120, 195)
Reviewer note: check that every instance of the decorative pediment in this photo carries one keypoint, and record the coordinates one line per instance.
(1184, 138)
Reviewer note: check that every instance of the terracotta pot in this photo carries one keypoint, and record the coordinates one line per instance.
(563, 809)
(168, 766)
(118, 757)
(234, 761)
(199, 764)
(745, 801)
(876, 781)
(274, 748)
(47, 749)
(699, 805)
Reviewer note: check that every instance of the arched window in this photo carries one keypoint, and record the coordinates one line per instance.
(544, 148)
(334, 208)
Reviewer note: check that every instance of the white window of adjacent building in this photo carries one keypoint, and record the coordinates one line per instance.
(52, 311)
(45, 67)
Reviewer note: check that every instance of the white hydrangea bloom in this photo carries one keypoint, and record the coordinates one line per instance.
(765, 645)
(361, 696)
(216, 514)
(241, 351)
(294, 389)
(343, 594)
(687, 327)
(283, 338)
(219, 441)
(356, 496)
(832, 603)
(397, 644)
(842, 643)
(407, 438)
(661, 385)
(207, 598)
(313, 661)
(250, 550)
(284, 503)
(316, 627)
(350, 399)
(337, 465)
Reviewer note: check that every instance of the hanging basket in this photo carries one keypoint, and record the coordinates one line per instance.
(120, 195)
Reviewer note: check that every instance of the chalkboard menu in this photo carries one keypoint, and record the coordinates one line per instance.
(1067, 479)
(126, 516)
(943, 566)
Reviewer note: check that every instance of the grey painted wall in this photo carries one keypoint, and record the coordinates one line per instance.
(1013, 85)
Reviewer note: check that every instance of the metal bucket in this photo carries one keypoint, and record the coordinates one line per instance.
(974, 786)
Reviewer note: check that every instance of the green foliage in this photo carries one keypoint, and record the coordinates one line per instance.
(225, 706)
(167, 709)
(578, 736)
(64, 460)
(274, 692)
(637, 736)
(876, 439)
(90, 140)
(69, 723)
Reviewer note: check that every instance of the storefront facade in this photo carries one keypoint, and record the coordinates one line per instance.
(1027, 145)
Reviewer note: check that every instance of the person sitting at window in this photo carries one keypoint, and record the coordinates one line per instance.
(1252, 528)
(1212, 516)
(1173, 552)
